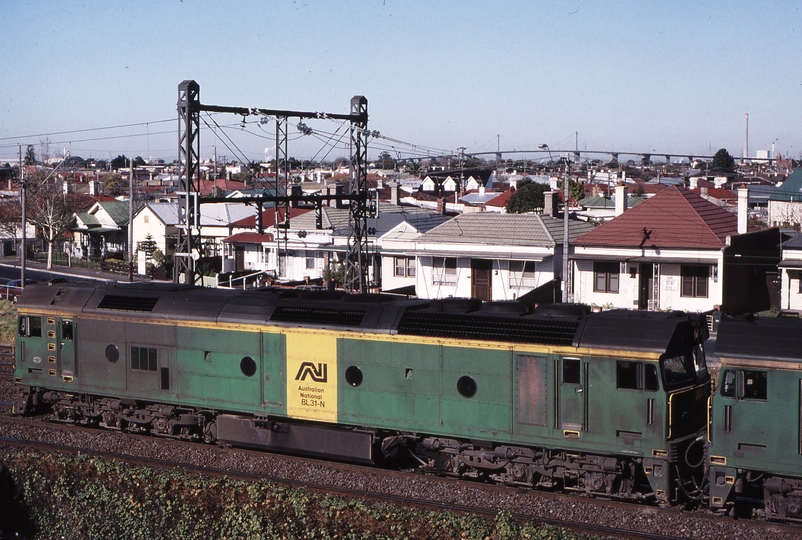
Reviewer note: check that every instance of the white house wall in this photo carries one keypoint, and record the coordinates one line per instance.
(791, 291)
(670, 281)
(460, 284)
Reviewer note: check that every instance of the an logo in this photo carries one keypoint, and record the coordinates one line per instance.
(318, 373)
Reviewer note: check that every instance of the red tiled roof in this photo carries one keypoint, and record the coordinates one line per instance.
(269, 217)
(207, 186)
(249, 238)
(674, 218)
(501, 199)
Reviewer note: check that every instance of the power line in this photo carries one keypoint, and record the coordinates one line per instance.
(84, 130)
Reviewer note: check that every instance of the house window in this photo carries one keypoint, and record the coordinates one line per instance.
(522, 274)
(146, 218)
(404, 266)
(310, 260)
(605, 277)
(444, 270)
(694, 280)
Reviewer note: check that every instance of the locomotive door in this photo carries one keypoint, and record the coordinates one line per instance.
(572, 401)
(66, 347)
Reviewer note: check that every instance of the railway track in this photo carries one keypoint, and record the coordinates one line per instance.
(429, 492)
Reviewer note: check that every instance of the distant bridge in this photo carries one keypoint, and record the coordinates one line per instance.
(645, 157)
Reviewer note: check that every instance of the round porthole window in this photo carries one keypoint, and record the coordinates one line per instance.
(353, 376)
(112, 353)
(466, 386)
(248, 366)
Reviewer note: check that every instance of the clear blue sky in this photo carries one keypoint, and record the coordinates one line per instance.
(669, 76)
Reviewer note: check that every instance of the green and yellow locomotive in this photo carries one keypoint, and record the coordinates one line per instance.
(612, 404)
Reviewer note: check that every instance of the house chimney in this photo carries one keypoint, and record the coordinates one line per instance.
(66, 187)
(393, 185)
(481, 190)
(550, 200)
(621, 201)
(703, 192)
(93, 185)
(743, 209)
(693, 182)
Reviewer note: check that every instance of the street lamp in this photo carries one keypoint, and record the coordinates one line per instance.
(565, 230)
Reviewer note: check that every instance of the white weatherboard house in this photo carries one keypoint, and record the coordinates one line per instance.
(491, 256)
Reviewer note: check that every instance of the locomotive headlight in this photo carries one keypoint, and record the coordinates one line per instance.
(37, 359)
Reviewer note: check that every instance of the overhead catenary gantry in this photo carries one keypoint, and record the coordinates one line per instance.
(188, 247)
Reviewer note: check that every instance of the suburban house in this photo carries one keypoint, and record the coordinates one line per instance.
(248, 249)
(791, 274)
(678, 251)
(160, 219)
(491, 256)
(157, 220)
(785, 203)
(326, 247)
(100, 231)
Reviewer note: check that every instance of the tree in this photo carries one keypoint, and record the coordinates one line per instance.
(723, 160)
(527, 197)
(50, 214)
(30, 155)
(113, 184)
(119, 162)
(576, 190)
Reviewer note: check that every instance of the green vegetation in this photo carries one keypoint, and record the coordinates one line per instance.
(49, 496)
(528, 197)
(8, 322)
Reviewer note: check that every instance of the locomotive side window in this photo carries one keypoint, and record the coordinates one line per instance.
(144, 359)
(629, 375)
(30, 326)
(754, 385)
(571, 371)
(728, 384)
(66, 329)
(651, 381)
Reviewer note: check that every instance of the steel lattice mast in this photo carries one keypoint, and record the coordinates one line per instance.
(188, 247)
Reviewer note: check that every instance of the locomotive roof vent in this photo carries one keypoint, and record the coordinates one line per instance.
(318, 315)
(128, 303)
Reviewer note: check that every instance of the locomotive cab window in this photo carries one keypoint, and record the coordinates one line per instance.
(744, 384)
(728, 383)
(629, 375)
(636, 376)
(678, 371)
(571, 371)
(30, 326)
(754, 385)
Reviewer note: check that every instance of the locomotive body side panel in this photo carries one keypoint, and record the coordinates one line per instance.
(221, 368)
(400, 385)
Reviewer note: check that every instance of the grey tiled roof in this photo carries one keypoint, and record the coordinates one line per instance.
(503, 229)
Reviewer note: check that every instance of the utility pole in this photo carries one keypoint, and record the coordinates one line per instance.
(23, 201)
(131, 223)
(566, 265)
